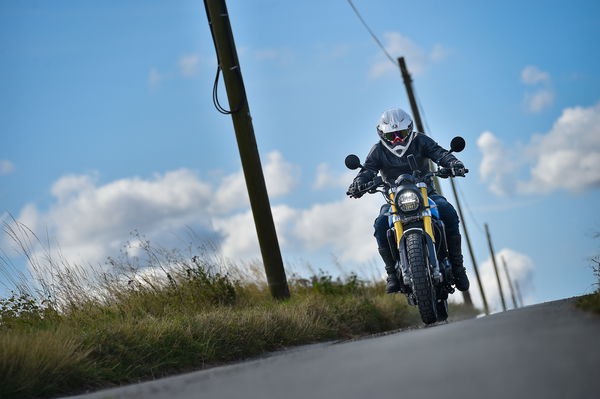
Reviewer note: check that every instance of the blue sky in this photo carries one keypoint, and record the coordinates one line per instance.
(107, 124)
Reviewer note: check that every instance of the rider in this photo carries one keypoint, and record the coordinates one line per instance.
(389, 156)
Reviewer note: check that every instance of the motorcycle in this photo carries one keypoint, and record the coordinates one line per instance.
(417, 235)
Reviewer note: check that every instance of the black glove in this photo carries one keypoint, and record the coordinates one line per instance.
(355, 189)
(456, 164)
(458, 168)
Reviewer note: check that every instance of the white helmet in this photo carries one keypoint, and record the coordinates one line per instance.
(395, 129)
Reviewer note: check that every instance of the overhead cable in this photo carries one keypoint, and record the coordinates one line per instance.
(470, 212)
(371, 33)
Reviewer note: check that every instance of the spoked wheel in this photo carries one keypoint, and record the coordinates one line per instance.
(421, 279)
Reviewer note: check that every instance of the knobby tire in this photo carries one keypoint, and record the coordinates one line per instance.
(421, 280)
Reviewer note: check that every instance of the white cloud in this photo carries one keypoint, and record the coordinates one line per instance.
(231, 194)
(6, 167)
(567, 157)
(240, 239)
(340, 225)
(328, 179)
(538, 101)
(417, 58)
(543, 97)
(91, 221)
(281, 178)
(154, 77)
(72, 185)
(188, 65)
(531, 75)
(520, 267)
(346, 226)
(496, 168)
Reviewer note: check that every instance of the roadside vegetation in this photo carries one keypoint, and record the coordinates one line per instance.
(67, 330)
(591, 302)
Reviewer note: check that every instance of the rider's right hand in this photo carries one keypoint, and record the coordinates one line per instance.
(356, 189)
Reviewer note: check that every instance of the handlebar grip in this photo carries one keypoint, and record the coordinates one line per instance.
(451, 172)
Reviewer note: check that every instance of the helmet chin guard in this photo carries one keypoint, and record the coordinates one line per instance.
(395, 129)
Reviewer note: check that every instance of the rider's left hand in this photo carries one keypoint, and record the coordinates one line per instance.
(458, 168)
(456, 164)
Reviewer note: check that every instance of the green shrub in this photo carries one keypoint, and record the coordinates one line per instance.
(591, 302)
(22, 310)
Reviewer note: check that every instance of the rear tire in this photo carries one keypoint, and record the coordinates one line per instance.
(421, 279)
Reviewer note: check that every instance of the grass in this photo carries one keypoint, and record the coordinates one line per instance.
(165, 312)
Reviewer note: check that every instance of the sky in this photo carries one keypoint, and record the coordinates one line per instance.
(107, 127)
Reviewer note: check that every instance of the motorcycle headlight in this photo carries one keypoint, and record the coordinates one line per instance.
(408, 201)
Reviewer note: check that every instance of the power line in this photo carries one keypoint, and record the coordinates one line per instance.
(470, 212)
(386, 53)
(422, 113)
(371, 32)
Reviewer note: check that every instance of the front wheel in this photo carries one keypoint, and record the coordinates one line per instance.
(421, 279)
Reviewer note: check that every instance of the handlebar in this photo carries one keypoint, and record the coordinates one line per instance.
(379, 182)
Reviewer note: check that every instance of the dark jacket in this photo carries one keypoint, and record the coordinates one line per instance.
(382, 160)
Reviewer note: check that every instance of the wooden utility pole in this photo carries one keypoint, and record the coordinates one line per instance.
(470, 247)
(489, 239)
(417, 115)
(518, 292)
(218, 20)
(510, 285)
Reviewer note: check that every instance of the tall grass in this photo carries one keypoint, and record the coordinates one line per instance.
(166, 311)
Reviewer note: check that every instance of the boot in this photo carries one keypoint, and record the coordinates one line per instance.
(456, 259)
(393, 284)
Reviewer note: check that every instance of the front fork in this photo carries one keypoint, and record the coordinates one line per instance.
(429, 238)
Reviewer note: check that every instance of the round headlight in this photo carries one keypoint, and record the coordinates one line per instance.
(408, 201)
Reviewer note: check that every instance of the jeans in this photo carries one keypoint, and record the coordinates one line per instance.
(447, 214)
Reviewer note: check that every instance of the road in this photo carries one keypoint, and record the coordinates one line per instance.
(550, 350)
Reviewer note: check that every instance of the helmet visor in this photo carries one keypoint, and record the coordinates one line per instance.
(398, 135)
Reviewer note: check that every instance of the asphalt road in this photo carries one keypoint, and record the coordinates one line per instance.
(551, 350)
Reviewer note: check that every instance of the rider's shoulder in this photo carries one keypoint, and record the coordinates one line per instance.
(377, 147)
(423, 138)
